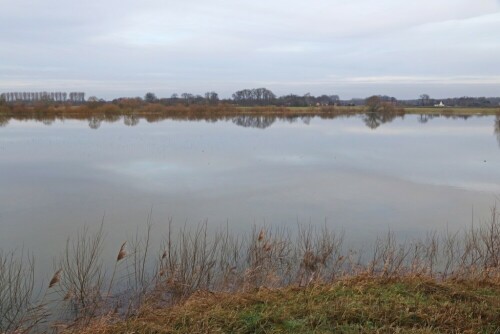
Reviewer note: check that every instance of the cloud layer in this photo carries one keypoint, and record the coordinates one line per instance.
(352, 48)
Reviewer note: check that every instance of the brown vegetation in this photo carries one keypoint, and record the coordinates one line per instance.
(131, 111)
(191, 261)
(361, 304)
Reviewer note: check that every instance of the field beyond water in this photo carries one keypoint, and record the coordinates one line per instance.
(356, 305)
(155, 111)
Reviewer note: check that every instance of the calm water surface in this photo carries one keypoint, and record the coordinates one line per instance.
(406, 175)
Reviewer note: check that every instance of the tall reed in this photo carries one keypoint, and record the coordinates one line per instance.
(193, 259)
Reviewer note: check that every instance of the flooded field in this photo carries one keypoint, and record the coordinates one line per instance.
(356, 174)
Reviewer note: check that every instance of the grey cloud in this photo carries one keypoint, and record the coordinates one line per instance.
(114, 48)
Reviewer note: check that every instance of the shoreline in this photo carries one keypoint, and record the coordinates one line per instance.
(156, 112)
(360, 304)
(267, 281)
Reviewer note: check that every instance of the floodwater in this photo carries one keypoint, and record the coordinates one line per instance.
(356, 174)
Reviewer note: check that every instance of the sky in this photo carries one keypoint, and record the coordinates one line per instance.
(352, 48)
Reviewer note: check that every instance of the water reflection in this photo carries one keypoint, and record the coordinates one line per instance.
(3, 121)
(306, 120)
(259, 122)
(403, 174)
(263, 122)
(95, 123)
(131, 120)
(497, 128)
(372, 120)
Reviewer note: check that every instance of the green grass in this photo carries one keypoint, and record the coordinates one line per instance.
(360, 305)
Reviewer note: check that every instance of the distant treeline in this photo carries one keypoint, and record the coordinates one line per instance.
(247, 98)
(426, 101)
(75, 97)
(265, 97)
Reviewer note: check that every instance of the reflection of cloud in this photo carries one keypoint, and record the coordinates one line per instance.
(412, 131)
(469, 185)
(297, 160)
(478, 186)
(147, 168)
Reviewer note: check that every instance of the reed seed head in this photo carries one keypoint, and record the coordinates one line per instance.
(261, 235)
(55, 279)
(68, 295)
(267, 247)
(122, 253)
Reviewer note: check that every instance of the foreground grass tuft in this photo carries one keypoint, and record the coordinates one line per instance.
(358, 305)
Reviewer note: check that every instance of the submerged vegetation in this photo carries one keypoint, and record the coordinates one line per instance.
(270, 280)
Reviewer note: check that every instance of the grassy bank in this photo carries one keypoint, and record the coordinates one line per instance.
(356, 305)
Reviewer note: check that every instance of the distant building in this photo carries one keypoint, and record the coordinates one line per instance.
(440, 105)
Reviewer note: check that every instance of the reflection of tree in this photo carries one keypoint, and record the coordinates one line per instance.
(306, 120)
(374, 119)
(423, 118)
(4, 121)
(95, 123)
(380, 110)
(497, 128)
(260, 122)
(47, 121)
(130, 120)
(111, 118)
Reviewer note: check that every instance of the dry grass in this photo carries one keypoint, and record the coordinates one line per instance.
(357, 305)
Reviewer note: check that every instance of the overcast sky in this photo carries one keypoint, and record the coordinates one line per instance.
(353, 48)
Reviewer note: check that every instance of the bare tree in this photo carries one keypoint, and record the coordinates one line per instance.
(212, 97)
(150, 98)
(424, 98)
